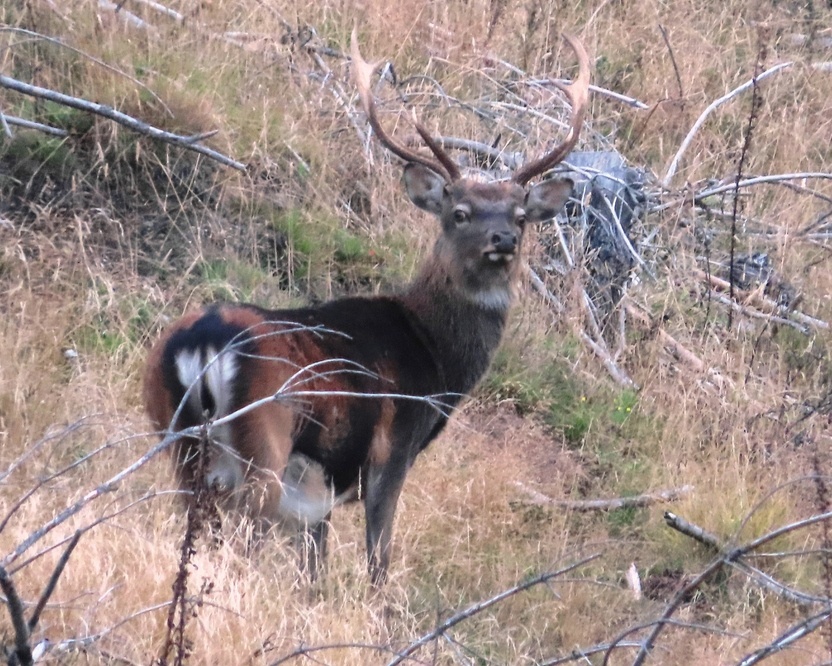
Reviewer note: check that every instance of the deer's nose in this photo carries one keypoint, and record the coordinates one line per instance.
(504, 241)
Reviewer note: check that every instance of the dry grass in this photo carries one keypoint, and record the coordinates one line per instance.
(140, 232)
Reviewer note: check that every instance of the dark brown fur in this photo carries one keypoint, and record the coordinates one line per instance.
(433, 342)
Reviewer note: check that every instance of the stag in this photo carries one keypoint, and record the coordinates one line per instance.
(333, 403)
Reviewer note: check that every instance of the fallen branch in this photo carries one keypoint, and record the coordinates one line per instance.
(676, 348)
(780, 179)
(771, 308)
(607, 361)
(186, 142)
(674, 164)
(480, 606)
(794, 633)
(29, 124)
(637, 501)
(693, 531)
(22, 655)
(583, 654)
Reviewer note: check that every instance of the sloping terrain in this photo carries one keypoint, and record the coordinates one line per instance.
(713, 388)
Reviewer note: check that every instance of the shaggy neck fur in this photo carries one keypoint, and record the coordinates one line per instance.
(465, 325)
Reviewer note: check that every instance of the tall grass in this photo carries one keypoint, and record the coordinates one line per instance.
(95, 260)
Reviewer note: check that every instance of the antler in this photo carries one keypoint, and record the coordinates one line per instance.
(443, 165)
(578, 93)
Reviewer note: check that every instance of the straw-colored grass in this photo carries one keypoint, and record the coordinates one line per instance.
(141, 232)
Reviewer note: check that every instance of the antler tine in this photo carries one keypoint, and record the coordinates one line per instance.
(578, 93)
(362, 72)
(450, 166)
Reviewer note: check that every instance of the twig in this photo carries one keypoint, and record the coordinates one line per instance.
(118, 117)
(541, 288)
(666, 39)
(756, 314)
(479, 607)
(53, 581)
(615, 372)
(674, 164)
(127, 17)
(4, 123)
(22, 654)
(676, 348)
(29, 124)
(693, 531)
(637, 501)
(583, 653)
(762, 302)
(97, 61)
(303, 650)
(162, 9)
(794, 633)
(106, 487)
(760, 180)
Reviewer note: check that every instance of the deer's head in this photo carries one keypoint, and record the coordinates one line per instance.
(482, 222)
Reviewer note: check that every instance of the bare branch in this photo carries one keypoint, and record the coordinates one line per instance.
(479, 607)
(761, 180)
(674, 164)
(118, 117)
(637, 501)
(793, 634)
(53, 581)
(693, 531)
(22, 650)
(29, 124)
(83, 54)
(106, 487)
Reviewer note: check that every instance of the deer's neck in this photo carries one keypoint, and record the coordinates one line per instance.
(464, 324)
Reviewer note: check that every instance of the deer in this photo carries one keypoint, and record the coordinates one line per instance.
(332, 403)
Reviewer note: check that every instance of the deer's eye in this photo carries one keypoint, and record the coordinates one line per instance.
(520, 221)
(461, 216)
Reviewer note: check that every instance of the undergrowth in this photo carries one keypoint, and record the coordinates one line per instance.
(108, 236)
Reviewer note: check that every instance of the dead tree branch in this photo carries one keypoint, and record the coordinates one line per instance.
(186, 142)
(794, 634)
(22, 655)
(637, 501)
(674, 164)
(480, 606)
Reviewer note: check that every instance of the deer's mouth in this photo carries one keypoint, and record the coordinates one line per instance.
(499, 258)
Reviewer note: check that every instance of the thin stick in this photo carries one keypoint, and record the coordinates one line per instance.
(53, 581)
(760, 180)
(637, 501)
(480, 606)
(29, 124)
(666, 39)
(794, 633)
(615, 372)
(118, 117)
(97, 61)
(693, 531)
(22, 650)
(106, 487)
(676, 348)
(674, 165)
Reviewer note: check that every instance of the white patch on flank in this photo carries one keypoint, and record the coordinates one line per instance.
(189, 373)
(219, 373)
(213, 373)
(306, 496)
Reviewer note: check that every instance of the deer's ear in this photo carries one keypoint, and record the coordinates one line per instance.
(545, 199)
(424, 187)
